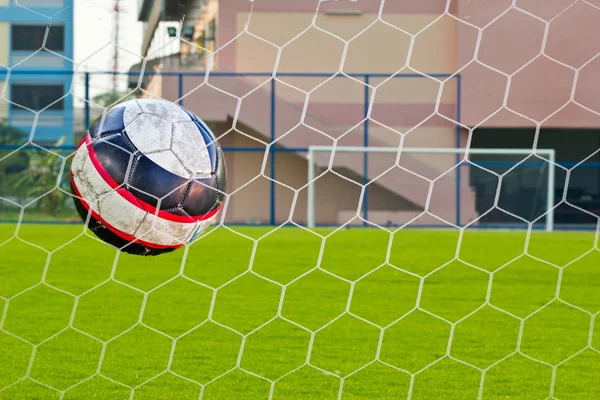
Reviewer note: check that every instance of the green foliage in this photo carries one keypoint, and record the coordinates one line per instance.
(10, 163)
(40, 177)
(10, 135)
(30, 173)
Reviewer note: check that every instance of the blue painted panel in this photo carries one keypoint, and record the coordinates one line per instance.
(38, 14)
(41, 61)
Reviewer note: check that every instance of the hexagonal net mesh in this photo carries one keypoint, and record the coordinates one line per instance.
(344, 125)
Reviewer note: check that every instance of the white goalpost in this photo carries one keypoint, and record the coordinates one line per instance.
(548, 154)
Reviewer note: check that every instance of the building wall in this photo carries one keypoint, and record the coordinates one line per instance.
(379, 50)
(446, 46)
(511, 45)
(512, 40)
(400, 103)
(51, 125)
(542, 87)
(4, 43)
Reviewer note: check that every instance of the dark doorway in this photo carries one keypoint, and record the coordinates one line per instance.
(524, 188)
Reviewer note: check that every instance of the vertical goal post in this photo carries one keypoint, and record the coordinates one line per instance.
(549, 154)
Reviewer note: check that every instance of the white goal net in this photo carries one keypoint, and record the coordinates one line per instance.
(344, 124)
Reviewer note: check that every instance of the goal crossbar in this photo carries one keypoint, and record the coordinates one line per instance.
(549, 154)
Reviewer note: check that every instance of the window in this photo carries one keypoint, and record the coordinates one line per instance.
(31, 37)
(37, 96)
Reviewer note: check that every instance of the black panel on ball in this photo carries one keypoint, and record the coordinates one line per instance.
(114, 154)
(207, 194)
(108, 236)
(150, 182)
(201, 197)
(113, 121)
(94, 128)
(221, 173)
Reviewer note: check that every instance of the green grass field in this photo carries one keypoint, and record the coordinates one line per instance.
(211, 321)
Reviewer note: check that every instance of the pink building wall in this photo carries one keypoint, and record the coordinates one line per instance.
(541, 45)
(518, 67)
(545, 47)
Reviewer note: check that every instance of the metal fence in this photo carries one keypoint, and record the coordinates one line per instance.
(18, 186)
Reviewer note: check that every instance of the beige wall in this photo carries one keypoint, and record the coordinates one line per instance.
(4, 2)
(4, 44)
(445, 46)
(342, 90)
(3, 104)
(380, 49)
(154, 88)
(315, 51)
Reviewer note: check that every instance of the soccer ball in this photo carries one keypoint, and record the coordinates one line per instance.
(149, 175)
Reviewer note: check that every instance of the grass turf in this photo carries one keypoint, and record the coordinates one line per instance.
(104, 322)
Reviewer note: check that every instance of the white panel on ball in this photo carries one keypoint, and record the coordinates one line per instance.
(119, 212)
(165, 134)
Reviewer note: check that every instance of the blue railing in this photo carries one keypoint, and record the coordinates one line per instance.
(272, 134)
(272, 150)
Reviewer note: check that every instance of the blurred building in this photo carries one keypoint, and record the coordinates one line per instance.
(39, 78)
(472, 49)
